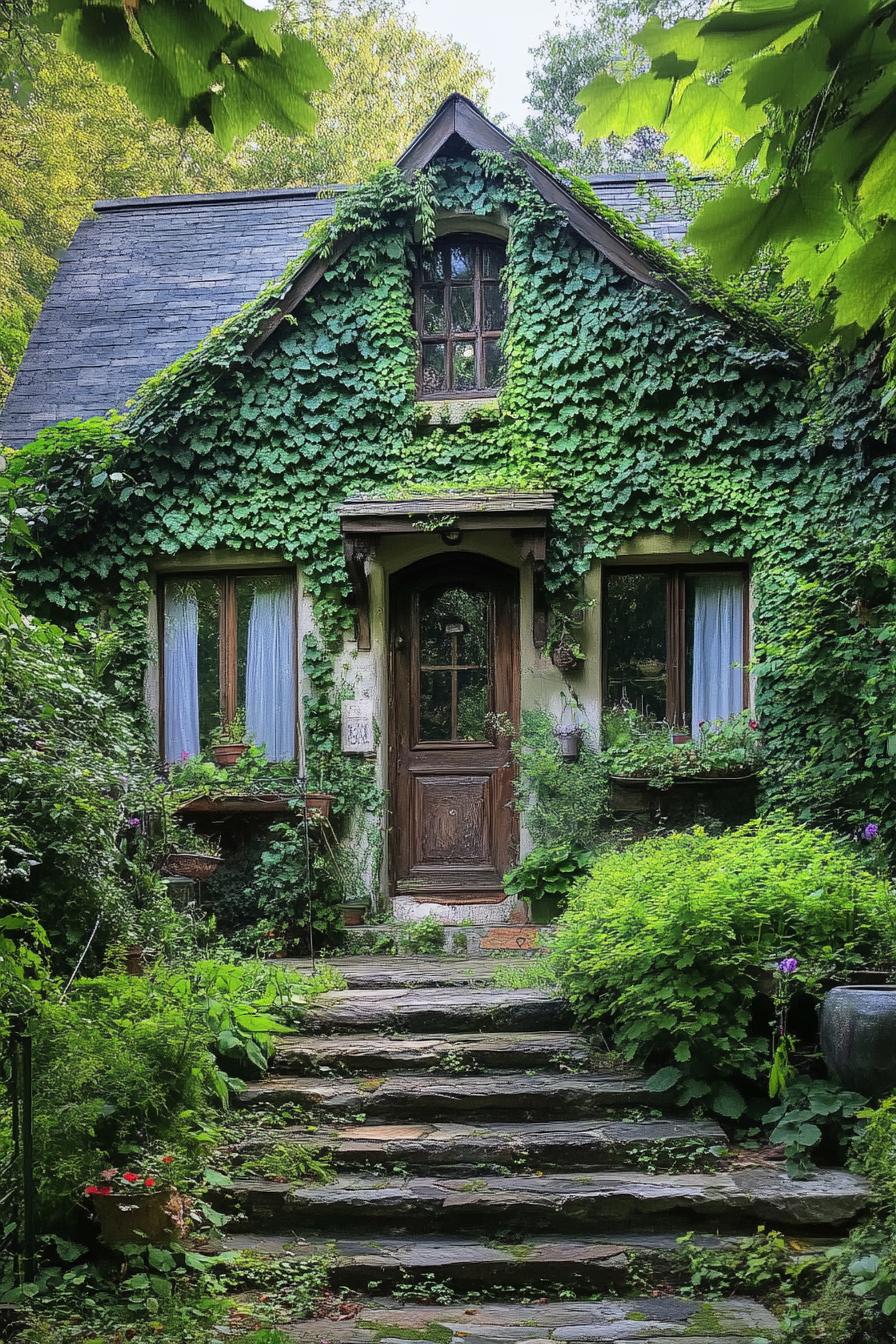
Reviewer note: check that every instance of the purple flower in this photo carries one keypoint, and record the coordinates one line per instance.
(135, 823)
(788, 965)
(871, 831)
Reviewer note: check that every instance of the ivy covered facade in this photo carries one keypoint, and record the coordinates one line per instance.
(421, 555)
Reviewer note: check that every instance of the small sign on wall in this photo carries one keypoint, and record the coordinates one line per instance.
(357, 727)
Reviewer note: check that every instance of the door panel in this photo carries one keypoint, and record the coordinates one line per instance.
(454, 671)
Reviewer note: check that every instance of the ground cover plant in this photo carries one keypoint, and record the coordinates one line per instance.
(663, 945)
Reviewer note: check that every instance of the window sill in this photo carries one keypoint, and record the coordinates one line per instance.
(446, 411)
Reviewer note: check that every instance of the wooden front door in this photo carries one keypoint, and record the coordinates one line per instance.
(455, 681)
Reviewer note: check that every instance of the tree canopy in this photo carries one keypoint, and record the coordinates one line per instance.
(71, 138)
(599, 39)
(221, 64)
(794, 102)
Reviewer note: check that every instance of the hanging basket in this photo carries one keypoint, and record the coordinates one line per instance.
(564, 657)
(197, 867)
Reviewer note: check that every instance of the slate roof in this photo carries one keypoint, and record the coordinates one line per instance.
(144, 280)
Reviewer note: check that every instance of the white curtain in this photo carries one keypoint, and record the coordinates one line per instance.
(717, 674)
(181, 674)
(270, 672)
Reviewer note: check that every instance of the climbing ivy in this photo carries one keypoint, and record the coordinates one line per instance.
(642, 411)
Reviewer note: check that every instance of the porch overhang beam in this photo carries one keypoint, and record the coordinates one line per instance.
(525, 514)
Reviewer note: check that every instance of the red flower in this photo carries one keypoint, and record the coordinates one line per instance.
(753, 724)
(149, 1182)
(168, 1160)
(130, 1177)
(104, 1190)
(91, 1189)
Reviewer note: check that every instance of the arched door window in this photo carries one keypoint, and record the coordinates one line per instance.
(460, 314)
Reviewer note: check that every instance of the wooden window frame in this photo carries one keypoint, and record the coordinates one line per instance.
(676, 576)
(227, 635)
(478, 335)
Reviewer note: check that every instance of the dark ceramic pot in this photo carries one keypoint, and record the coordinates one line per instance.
(858, 1037)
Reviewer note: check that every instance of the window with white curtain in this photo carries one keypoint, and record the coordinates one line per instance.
(228, 644)
(675, 642)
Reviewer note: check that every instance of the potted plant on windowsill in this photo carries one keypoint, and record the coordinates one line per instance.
(641, 752)
(229, 740)
(197, 857)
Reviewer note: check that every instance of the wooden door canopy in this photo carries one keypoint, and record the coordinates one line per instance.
(525, 514)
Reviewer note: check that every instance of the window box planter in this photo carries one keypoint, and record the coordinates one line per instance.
(197, 867)
(156, 1216)
(710, 777)
(319, 805)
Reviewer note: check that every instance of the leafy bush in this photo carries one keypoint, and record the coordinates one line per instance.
(290, 889)
(420, 936)
(546, 876)
(127, 1063)
(75, 768)
(561, 802)
(664, 943)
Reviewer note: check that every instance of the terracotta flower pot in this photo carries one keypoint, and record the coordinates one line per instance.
(228, 753)
(318, 805)
(156, 1216)
(197, 867)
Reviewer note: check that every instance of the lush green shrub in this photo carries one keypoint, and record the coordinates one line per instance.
(130, 1063)
(546, 876)
(662, 946)
(75, 781)
(561, 802)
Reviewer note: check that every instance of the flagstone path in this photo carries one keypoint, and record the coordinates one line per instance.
(477, 1143)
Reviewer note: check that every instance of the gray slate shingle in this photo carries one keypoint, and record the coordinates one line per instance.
(144, 280)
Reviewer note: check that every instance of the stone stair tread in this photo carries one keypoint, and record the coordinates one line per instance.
(647, 1320)
(725, 1199)
(417, 1096)
(483, 1049)
(436, 1146)
(421, 971)
(445, 1008)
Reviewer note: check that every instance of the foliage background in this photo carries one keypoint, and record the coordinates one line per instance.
(69, 138)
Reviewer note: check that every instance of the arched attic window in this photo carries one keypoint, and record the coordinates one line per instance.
(459, 316)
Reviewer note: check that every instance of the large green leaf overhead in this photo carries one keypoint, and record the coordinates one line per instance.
(794, 103)
(218, 63)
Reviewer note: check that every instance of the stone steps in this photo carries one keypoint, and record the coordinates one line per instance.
(465, 1051)
(421, 972)
(445, 1097)
(727, 1202)
(460, 1148)
(646, 1320)
(590, 1264)
(434, 1010)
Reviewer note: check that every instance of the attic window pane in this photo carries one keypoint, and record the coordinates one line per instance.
(492, 261)
(459, 309)
(464, 366)
(494, 363)
(433, 312)
(433, 265)
(433, 367)
(492, 308)
(462, 262)
(462, 318)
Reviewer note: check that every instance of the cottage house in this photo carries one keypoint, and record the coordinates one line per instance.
(481, 418)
